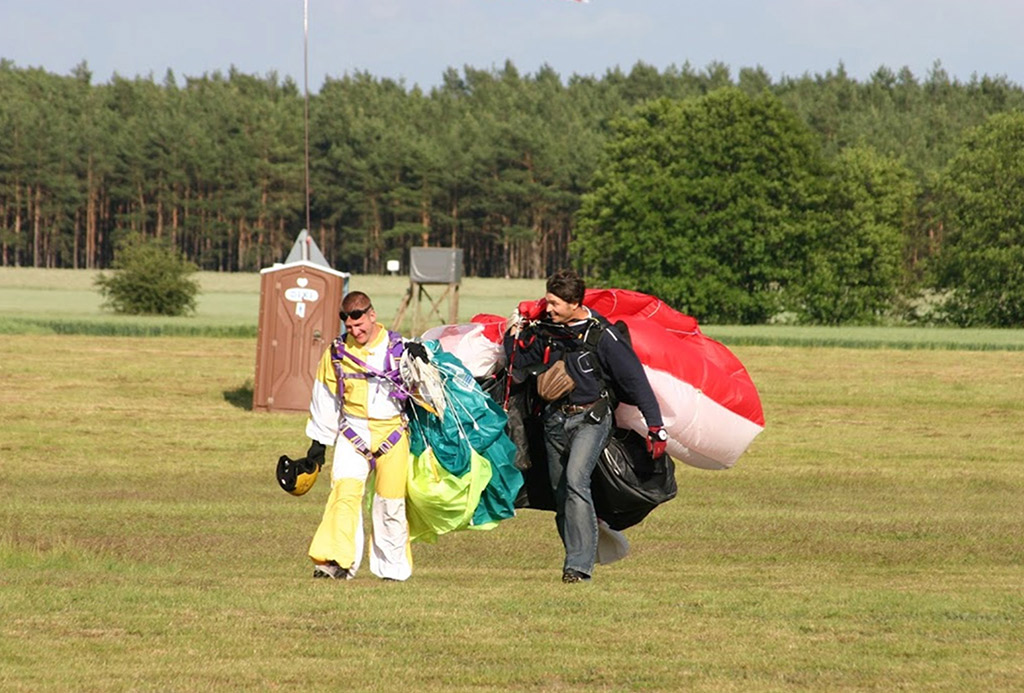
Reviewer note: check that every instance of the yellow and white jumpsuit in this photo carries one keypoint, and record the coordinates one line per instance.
(372, 411)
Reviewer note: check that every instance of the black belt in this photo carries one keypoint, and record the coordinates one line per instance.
(569, 409)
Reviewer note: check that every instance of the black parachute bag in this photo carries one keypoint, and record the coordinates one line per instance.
(627, 484)
(495, 386)
(527, 432)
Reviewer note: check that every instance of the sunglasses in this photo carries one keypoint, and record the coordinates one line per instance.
(354, 314)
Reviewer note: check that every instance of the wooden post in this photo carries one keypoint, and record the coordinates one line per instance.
(453, 304)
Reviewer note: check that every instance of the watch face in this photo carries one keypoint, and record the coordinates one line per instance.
(662, 434)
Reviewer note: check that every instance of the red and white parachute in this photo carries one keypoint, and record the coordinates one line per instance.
(709, 404)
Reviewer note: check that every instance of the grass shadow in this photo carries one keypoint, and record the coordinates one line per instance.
(240, 397)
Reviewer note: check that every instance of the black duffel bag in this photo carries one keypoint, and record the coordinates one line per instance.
(628, 484)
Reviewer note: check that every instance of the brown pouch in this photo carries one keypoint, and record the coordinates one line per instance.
(555, 383)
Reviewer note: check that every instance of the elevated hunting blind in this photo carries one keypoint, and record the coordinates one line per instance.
(431, 266)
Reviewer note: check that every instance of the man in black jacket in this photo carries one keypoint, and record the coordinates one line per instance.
(586, 361)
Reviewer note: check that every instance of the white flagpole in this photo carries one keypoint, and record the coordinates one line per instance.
(305, 80)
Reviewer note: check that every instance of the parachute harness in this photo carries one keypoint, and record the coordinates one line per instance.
(559, 334)
(391, 373)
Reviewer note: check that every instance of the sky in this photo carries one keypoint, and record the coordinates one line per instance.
(417, 40)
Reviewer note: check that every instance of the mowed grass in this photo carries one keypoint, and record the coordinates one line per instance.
(870, 539)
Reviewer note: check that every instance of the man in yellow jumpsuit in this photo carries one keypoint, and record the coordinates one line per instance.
(364, 420)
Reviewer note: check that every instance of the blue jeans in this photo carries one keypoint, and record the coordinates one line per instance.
(574, 444)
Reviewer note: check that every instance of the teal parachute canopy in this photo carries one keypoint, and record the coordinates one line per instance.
(463, 462)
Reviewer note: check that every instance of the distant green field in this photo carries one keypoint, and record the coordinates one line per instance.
(65, 301)
(971, 339)
(37, 301)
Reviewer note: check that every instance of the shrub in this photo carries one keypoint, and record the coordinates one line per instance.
(150, 279)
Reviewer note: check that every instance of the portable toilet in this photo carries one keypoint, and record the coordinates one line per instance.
(299, 303)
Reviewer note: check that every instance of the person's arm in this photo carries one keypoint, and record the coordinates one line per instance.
(625, 369)
(315, 454)
(628, 373)
(324, 403)
(523, 349)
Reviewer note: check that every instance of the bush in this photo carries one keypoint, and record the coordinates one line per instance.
(150, 279)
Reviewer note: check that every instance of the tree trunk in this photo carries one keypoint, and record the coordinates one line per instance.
(243, 243)
(77, 238)
(36, 221)
(174, 226)
(277, 241)
(455, 222)
(50, 244)
(511, 262)
(375, 227)
(425, 221)
(142, 212)
(91, 250)
(261, 224)
(17, 223)
(103, 221)
(3, 241)
(537, 243)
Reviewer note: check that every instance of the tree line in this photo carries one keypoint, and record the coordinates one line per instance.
(519, 170)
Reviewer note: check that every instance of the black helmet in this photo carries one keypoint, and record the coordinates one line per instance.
(296, 476)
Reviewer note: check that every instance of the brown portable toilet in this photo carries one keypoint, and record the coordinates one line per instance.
(299, 302)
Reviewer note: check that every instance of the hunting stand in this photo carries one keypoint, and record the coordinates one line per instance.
(431, 267)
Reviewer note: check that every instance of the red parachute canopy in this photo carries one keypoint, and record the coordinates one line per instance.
(709, 403)
(670, 341)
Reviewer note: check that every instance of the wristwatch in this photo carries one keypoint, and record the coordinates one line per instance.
(661, 434)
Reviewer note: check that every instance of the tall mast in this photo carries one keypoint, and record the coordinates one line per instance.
(305, 80)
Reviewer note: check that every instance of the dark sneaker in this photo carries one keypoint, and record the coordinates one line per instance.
(570, 575)
(332, 571)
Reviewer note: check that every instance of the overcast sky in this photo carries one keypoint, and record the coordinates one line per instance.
(416, 40)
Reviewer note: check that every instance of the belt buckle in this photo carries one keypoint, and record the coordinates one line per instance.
(570, 408)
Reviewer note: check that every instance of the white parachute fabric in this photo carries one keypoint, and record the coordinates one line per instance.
(471, 343)
(702, 433)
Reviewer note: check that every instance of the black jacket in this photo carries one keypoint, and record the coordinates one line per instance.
(613, 364)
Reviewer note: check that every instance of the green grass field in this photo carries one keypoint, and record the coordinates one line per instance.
(870, 539)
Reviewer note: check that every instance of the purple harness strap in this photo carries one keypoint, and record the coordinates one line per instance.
(364, 449)
(390, 372)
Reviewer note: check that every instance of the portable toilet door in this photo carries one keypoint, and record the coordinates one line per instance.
(299, 304)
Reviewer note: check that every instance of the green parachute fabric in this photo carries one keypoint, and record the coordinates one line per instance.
(437, 501)
(472, 426)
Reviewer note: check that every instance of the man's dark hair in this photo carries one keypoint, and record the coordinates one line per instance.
(354, 300)
(567, 285)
